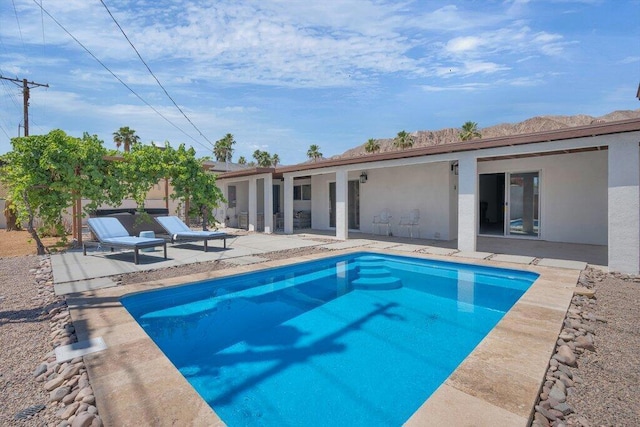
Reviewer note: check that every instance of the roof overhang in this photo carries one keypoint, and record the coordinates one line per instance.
(593, 130)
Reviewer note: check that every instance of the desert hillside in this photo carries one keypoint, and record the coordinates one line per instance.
(424, 138)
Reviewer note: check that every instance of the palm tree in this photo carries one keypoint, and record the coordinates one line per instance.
(263, 158)
(469, 131)
(125, 136)
(275, 159)
(372, 146)
(242, 160)
(223, 148)
(403, 140)
(314, 152)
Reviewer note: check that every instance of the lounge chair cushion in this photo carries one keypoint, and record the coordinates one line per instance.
(133, 241)
(176, 228)
(107, 228)
(173, 224)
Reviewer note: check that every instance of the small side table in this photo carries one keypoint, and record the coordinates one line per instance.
(147, 234)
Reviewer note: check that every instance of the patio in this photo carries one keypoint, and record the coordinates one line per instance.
(74, 272)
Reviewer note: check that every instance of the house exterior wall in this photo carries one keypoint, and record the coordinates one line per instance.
(573, 194)
(242, 202)
(426, 187)
(320, 201)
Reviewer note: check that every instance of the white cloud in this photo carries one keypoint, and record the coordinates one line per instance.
(460, 45)
(630, 60)
(468, 87)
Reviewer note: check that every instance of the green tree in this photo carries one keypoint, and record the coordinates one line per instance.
(125, 136)
(223, 148)
(44, 174)
(403, 140)
(140, 169)
(275, 160)
(192, 183)
(242, 160)
(314, 153)
(372, 146)
(469, 131)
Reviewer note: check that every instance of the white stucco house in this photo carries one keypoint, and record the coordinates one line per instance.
(577, 185)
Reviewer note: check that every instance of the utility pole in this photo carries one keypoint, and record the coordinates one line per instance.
(25, 98)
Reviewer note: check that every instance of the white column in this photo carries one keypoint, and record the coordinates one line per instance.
(288, 204)
(342, 189)
(224, 207)
(623, 207)
(467, 206)
(253, 203)
(268, 204)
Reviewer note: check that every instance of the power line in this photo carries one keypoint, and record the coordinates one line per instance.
(154, 76)
(15, 11)
(115, 76)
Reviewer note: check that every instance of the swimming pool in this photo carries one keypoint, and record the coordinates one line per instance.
(360, 339)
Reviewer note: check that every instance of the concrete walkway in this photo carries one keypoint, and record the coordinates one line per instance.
(74, 272)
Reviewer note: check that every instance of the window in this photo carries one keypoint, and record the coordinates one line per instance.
(302, 192)
(232, 196)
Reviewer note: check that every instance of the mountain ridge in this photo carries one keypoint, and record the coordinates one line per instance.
(425, 138)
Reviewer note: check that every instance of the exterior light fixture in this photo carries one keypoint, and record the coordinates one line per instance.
(454, 168)
(363, 177)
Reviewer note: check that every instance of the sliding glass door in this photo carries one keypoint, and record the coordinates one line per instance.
(524, 212)
(509, 204)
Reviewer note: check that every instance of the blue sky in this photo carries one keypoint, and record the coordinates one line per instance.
(281, 75)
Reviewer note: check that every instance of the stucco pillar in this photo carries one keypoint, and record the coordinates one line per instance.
(528, 220)
(253, 203)
(268, 203)
(342, 189)
(288, 204)
(223, 209)
(467, 211)
(623, 207)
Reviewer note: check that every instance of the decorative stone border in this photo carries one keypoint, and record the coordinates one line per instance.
(70, 394)
(576, 337)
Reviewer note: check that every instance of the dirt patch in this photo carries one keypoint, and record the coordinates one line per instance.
(20, 243)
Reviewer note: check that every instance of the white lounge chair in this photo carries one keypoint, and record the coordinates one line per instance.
(112, 234)
(179, 231)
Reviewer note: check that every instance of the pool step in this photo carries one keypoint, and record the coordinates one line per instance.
(372, 275)
(377, 283)
(373, 272)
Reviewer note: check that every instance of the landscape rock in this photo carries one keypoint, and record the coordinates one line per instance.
(83, 420)
(585, 342)
(54, 383)
(565, 355)
(58, 394)
(66, 412)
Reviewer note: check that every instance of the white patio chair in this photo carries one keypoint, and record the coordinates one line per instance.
(411, 220)
(383, 219)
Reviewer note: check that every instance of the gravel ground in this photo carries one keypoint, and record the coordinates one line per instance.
(24, 341)
(608, 396)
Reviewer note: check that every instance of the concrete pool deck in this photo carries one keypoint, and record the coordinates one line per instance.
(497, 384)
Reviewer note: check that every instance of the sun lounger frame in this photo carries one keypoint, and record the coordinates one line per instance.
(179, 237)
(108, 243)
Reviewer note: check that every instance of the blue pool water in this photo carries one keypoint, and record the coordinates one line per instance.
(361, 339)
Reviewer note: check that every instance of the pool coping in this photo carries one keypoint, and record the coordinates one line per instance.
(498, 383)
